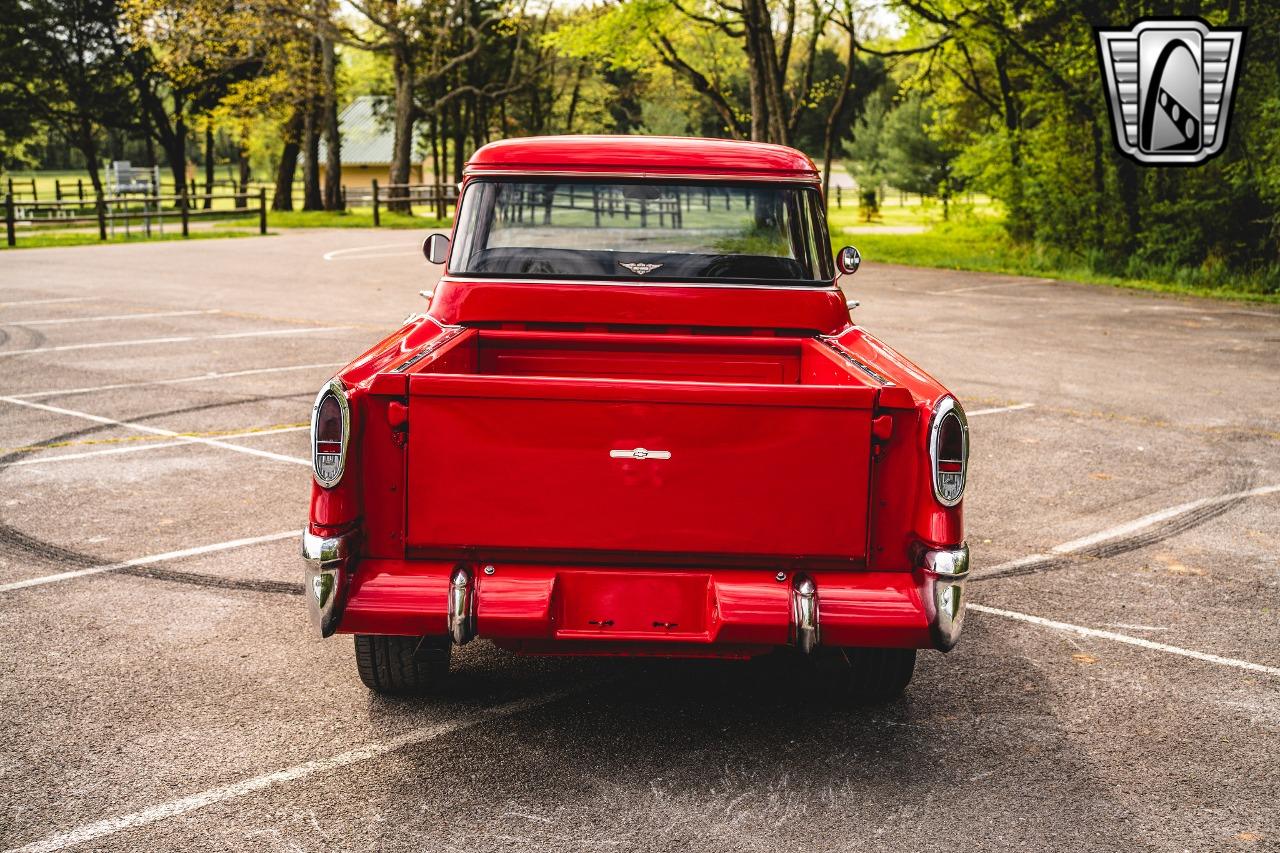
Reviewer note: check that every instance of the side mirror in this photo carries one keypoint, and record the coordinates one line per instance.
(436, 248)
(848, 260)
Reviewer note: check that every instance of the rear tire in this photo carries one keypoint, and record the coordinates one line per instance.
(868, 676)
(402, 666)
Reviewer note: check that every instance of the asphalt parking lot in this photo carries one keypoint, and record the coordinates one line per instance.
(1118, 686)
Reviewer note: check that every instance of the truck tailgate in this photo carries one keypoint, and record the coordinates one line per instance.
(503, 463)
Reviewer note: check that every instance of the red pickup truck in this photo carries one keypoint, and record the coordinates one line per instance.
(637, 419)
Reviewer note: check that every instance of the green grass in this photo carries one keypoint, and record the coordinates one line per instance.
(979, 243)
(54, 239)
(361, 217)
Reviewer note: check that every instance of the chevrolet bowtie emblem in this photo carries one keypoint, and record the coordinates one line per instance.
(640, 453)
(1169, 84)
(639, 268)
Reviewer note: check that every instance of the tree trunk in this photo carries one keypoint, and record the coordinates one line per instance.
(574, 95)
(406, 116)
(208, 165)
(1017, 222)
(1128, 178)
(288, 166)
(242, 161)
(762, 60)
(755, 76)
(332, 134)
(1098, 233)
(89, 148)
(459, 141)
(433, 131)
(829, 132)
(311, 196)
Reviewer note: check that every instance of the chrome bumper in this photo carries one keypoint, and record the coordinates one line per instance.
(327, 573)
(945, 571)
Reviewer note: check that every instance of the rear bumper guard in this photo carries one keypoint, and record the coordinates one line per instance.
(328, 564)
(805, 626)
(462, 606)
(945, 571)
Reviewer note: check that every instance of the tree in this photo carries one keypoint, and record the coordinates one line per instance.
(64, 70)
(918, 160)
(183, 56)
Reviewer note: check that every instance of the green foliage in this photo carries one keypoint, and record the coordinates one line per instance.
(1017, 93)
(917, 159)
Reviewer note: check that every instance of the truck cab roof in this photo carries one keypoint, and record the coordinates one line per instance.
(641, 157)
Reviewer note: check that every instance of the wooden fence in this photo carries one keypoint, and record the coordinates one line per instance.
(438, 197)
(126, 213)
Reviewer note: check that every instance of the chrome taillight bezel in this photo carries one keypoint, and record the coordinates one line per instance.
(338, 391)
(948, 408)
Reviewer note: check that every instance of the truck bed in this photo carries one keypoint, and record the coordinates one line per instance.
(686, 448)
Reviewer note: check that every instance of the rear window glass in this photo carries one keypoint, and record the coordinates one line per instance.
(772, 233)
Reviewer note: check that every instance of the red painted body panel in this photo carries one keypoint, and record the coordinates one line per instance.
(645, 156)
(516, 391)
(799, 309)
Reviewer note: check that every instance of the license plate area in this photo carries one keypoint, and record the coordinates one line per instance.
(635, 606)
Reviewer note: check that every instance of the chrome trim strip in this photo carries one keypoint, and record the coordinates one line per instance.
(462, 606)
(428, 348)
(805, 626)
(948, 406)
(853, 360)
(487, 279)
(338, 390)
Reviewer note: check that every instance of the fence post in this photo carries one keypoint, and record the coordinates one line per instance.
(57, 189)
(80, 188)
(11, 186)
(839, 198)
(10, 236)
(35, 194)
(376, 218)
(102, 218)
(262, 210)
(182, 205)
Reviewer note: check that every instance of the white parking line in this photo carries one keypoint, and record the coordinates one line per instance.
(223, 793)
(212, 442)
(203, 377)
(67, 457)
(51, 301)
(336, 254)
(175, 340)
(1126, 639)
(147, 561)
(107, 317)
(999, 409)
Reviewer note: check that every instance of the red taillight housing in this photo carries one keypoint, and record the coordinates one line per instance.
(330, 434)
(949, 451)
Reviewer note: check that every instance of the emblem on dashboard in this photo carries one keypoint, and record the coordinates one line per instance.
(639, 268)
(640, 453)
(1169, 84)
